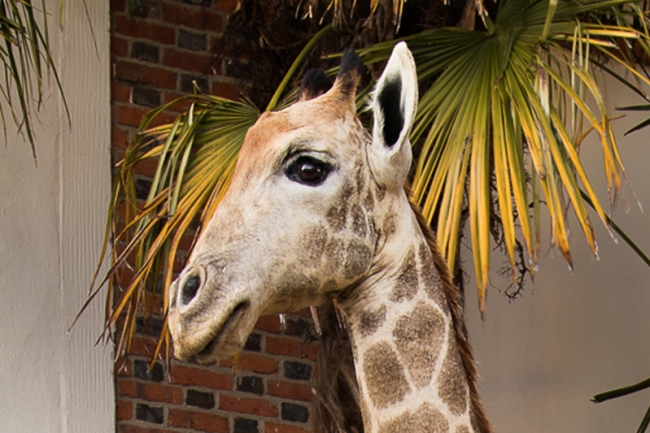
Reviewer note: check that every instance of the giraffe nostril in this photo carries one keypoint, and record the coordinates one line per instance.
(190, 288)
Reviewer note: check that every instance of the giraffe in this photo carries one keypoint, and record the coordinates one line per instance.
(316, 211)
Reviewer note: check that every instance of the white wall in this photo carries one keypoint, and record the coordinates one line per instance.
(51, 227)
(573, 335)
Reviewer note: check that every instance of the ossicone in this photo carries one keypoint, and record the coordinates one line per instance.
(314, 83)
(350, 73)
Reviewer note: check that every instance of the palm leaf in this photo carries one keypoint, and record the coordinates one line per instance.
(196, 157)
(27, 59)
(512, 93)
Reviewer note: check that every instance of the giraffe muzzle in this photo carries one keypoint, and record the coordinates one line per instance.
(204, 320)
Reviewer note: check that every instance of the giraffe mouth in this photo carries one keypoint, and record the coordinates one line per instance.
(217, 345)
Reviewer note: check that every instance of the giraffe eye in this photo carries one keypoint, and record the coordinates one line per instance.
(308, 171)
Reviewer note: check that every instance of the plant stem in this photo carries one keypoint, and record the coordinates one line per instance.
(620, 232)
(599, 398)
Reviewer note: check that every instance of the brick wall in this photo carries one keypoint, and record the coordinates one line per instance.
(158, 48)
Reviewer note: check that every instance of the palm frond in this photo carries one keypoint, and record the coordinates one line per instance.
(195, 156)
(509, 104)
(27, 60)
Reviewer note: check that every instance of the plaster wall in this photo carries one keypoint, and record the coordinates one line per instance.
(52, 217)
(575, 333)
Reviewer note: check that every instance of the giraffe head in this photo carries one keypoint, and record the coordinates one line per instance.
(306, 213)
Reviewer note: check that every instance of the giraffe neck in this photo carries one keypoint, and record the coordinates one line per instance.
(407, 361)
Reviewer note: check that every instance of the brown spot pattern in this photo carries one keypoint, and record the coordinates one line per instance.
(357, 260)
(359, 224)
(419, 337)
(407, 282)
(425, 419)
(390, 225)
(369, 322)
(313, 245)
(462, 429)
(294, 281)
(430, 277)
(361, 184)
(372, 231)
(347, 190)
(329, 285)
(451, 382)
(335, 254)
(385, 377)
(380, 193)
(369, 201)
(336, 216)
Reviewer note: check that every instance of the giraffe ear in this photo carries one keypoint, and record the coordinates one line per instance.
(314, 83)
(393, 105)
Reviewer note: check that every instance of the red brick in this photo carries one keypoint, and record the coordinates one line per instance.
(119, 47)
(258, 363)
(179, 107)
(186, 241)
(295, 348)
(123, 410)
(128, 388)
(270, 323)
(226, 90)
(186, 61)
(125, 428)
(120, 92)
(123, 364)
(226, 5)
(226, 363)
(131, 115)
(120, 138)
(143, 346)
(156, 77)
(199, 377)
(282, 428)
(295, 391)
(253, 406)
(146, 167)
(203, 421)
(144, 30)
(161, 393)
(252, 362)
(192, 17)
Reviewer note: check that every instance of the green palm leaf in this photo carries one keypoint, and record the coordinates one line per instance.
(508, 103)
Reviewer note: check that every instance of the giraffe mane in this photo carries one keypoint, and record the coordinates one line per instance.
(452, 295)
(337, 390)
(336, 387)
